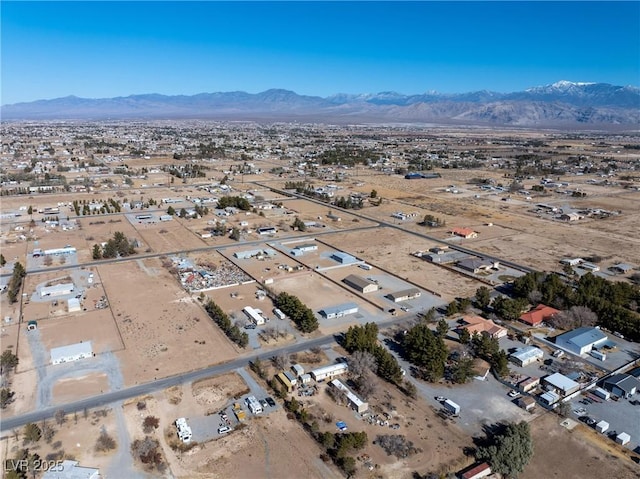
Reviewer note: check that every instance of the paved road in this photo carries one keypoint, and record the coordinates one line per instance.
(106, 399)
(187, 251)
(387, 224)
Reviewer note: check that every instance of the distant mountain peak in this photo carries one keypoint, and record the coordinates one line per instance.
(563, 103)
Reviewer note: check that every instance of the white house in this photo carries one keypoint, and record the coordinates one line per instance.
(329, 372)
(72, 352)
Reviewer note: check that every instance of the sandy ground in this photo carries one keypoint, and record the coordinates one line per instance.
(164, 330)
(75, 439)
(72, 389)
(560, 453)
(391, 250)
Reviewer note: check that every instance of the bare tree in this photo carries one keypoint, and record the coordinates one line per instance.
(574, 317)
(281, 361)
(60, 417)
(535, 297)
(362, 363)
(105, 442)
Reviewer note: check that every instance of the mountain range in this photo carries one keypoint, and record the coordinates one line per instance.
(562, 104)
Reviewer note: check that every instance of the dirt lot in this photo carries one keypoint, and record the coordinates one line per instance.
(74, 439)
(168, 236)
(559, 453)
(391, 250)
(72, 389)
(537, 242)
(262, 448)
(165, 332)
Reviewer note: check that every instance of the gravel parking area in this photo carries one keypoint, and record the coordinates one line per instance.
(622, 416)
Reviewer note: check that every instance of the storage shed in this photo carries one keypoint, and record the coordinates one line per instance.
(360, 284)
(73, 305)
(623, 438)
(602, 426)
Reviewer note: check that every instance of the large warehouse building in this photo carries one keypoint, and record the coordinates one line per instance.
(581, 340)
(360, 284)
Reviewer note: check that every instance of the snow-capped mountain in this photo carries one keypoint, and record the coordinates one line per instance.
(561, 104)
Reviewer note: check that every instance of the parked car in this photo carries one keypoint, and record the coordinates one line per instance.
(263, 403)
(250, 326)
(270, 401)
(513, 393)
(224, 430)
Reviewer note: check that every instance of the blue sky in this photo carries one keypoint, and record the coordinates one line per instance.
(106, 49)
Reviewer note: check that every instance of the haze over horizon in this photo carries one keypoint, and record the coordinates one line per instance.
(113, 49)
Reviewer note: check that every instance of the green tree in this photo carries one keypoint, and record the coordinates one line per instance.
(97, 252)
(299, 225)
(3, 261)
(452, 308)
(6, 397)
(483, 297)
(510, 450)
(30, 210)
(183, 213)
(373, 194)
(462, 371)
(235, 234)
(464, 336)
(426, 350)
(171, 211)
(442, 328)
(32, 432)
(8, 361)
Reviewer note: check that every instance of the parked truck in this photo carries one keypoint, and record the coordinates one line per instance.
(452, 407)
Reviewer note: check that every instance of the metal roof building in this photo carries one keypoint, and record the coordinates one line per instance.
(404, 295)
(343, 258)
(57, 290)
(329, 372)
(339, 311)
(561, 384)
(71, 352)
(360, 284)
(581, 340)
(527, 355)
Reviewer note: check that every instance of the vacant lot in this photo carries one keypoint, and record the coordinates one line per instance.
(163, 328)
(559, 453)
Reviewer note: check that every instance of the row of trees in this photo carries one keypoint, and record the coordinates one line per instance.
(235, 202)
(300, 314)
(348, 203)
(615, 303)
(15, 283)
(232, 331)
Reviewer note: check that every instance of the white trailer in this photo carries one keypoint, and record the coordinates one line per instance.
(279, 314)
(602, 426)
(452, 407)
